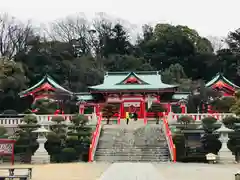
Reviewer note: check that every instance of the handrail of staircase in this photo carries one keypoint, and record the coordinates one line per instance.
(168, 135)
(95, 138)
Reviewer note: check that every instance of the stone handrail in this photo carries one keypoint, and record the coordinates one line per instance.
(197, 116)
(168, 135)
(95, 138)
(42, 119)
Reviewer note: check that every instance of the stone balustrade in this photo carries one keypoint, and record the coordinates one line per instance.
(42, 119)
(46, 119)
(172, 117)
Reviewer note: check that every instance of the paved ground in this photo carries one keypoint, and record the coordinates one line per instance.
(168, 171)
(132, 171)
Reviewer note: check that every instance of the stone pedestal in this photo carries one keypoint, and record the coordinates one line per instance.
(41, 155)
(225, 155)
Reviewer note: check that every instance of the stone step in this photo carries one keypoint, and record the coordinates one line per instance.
(133, 143)
(141, 147)
(133, 149)
(130, 158)
(135, 152)
(122, 138)
(161, 143)
(130, 146)
(142, 161)
(132, 154)
(158, 146)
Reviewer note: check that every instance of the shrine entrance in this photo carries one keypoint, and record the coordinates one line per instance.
(132, 106)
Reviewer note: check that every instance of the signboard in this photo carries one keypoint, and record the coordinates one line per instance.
(129, 104)
(6, 148)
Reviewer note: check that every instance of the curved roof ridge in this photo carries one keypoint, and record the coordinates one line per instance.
(47, 78)
(219, 76)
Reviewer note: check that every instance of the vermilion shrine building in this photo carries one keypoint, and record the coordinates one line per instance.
(130, 91)
(222, 84)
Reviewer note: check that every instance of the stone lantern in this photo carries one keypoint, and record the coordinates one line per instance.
(41, 155)
(225, 154)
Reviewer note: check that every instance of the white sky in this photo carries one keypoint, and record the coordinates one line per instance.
(208, 17)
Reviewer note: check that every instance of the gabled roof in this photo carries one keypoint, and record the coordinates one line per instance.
(146, 80)
(45, 81)
(132, 78)
(220, 79)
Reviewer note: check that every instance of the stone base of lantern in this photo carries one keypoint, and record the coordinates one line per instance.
(225, 157)
(40, 158)
(41, 155)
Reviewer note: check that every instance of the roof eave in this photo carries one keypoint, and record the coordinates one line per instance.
(21, 94)
(46, 78)
(143, 89)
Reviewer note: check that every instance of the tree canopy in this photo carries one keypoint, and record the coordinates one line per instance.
(76, 51)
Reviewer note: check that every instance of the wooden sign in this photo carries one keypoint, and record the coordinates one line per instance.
(6, 148)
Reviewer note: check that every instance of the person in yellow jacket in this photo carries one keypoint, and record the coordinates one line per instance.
(127, 117)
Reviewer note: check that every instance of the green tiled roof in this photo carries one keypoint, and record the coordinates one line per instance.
(218, 77)
(152, 79)
(45, 79)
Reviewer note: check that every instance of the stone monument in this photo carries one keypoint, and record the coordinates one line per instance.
(41, 155)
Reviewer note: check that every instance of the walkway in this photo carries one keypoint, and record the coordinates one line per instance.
(93, 171)
(131, 171)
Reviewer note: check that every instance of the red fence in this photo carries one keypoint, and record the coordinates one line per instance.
(95, 136)
(168, 134)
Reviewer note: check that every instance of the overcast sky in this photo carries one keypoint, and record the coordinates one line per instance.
(208, 17)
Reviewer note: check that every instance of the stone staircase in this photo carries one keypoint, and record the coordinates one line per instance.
(133, 142)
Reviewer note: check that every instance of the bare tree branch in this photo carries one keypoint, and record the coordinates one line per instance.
(14, 36)
(218, 43)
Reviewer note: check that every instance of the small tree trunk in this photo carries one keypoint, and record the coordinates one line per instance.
(27, 157)
(108, 120)
(237, 158)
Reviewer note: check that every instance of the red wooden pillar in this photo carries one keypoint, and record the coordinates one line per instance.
(81, 109)
(158, 99)
(144, 110)
(141, 109)
(183, 108)
(122, 109)
(97, 109)
(169, 108)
